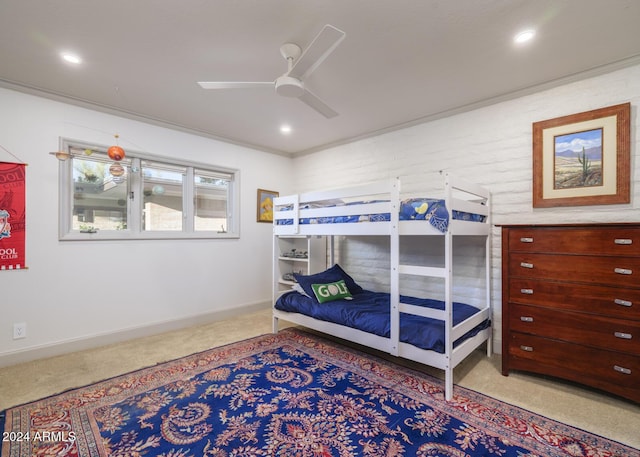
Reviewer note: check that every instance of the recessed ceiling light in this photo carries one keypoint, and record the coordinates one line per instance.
(71, 58)
(285, 129)
(524, 36)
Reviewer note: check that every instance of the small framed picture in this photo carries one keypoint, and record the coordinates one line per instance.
(265, 205)
(582, 159)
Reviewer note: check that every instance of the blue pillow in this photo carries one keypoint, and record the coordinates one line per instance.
(333, 274)
(349, 281)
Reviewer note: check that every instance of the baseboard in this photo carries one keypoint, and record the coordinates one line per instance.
(81, 344)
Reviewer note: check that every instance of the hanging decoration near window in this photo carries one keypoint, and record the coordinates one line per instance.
(116, 169)
(116, 152)
(12, 216)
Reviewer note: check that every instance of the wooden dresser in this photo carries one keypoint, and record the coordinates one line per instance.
(571, 303)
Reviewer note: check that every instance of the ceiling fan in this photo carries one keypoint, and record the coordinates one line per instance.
(300, 65)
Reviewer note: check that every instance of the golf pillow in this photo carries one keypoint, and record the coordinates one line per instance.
(332, 291)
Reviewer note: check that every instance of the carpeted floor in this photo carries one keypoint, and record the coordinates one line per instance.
(580, 407)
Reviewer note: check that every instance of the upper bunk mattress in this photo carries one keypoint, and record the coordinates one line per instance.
(369, 311)
(431, 210)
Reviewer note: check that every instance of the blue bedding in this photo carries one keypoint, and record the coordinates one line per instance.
(369, 311)
(431, 210)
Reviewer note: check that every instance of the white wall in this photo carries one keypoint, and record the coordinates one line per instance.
(73, 291)
(491, 145)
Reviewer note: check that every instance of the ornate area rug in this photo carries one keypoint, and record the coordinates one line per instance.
(285, 395)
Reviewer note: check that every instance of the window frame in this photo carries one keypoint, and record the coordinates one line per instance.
(134, 208)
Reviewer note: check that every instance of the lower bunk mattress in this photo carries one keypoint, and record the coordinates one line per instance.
(369, 312)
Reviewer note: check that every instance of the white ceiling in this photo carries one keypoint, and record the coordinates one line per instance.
(402, 61)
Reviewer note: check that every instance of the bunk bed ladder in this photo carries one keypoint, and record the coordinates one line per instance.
(445, 273)
(448, 318)
(394, 340)
(448, 292)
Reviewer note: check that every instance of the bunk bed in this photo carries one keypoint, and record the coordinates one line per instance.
(438, 333)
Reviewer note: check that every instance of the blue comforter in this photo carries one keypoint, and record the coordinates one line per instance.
(369, 311)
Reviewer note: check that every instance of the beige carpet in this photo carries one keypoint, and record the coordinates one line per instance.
(584, 408)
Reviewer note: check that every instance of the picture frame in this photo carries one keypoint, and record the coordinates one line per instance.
(265, 205)
(583, 159)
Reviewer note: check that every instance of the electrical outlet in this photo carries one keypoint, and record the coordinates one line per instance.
(19, 331)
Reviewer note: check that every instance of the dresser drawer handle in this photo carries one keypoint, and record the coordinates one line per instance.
(526, 291)
(527, 348)
(526, 240)
(526, 318)
(622, 370)
(526, 265)
(624, 336)
(623, 271)
(621, 302)
(623, 241)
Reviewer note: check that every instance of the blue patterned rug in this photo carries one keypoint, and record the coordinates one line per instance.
(285, 395)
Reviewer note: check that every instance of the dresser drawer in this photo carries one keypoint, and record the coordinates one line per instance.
(611, 371)
(608, 301)
(590, 330)
(617, 241)
(614, 271)
(610, 240)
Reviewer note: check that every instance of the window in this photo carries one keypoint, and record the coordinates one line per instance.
(99, 197)
(163, 196)
(144, 197)
(211, 197)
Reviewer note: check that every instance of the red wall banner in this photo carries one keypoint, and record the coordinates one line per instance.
(12, 216)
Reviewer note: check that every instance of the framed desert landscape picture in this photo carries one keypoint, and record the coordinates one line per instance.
(582, 159)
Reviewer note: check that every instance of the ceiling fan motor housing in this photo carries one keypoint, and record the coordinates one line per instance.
(289, 86)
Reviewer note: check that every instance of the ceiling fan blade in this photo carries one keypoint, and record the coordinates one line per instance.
(234, 84)
(319, 49)
(314, 102)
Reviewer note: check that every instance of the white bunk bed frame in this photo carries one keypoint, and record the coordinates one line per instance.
(395, 228)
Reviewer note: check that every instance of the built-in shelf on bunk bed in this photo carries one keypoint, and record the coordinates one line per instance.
(464, 211)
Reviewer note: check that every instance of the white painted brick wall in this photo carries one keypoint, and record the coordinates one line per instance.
(492, 146)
